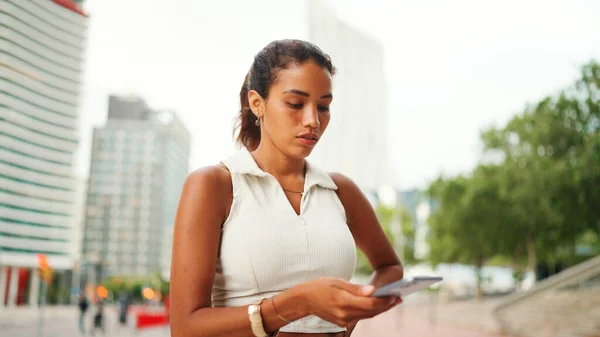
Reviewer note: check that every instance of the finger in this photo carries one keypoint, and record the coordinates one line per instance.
(361, 303)
(352, 313)
(356, 289)
(332, 318)
(375, 312)
(361, 315)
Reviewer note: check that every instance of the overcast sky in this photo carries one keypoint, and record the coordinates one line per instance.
(453, 67)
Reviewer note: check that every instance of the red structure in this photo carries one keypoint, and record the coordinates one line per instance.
(71, 5)
(22, 285)
(146, 319)
(22, 276)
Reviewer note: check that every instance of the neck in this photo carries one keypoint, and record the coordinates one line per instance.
(271, 160)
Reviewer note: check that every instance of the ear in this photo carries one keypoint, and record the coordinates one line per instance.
(256, 102)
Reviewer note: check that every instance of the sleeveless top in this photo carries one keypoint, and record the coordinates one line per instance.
(266, 247)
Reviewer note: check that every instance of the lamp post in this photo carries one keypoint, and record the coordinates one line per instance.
(46, 274)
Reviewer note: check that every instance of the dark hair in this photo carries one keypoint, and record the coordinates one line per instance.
(276, 56)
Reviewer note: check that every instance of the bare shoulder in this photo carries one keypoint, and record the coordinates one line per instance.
(210, 186)
(351, 197)
(212, 177)
(346, 186)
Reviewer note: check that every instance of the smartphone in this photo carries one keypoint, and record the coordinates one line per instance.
(406, 286)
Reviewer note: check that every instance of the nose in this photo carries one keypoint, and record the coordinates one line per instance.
(311, 118)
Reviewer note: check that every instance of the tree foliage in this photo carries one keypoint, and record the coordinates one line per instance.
(539, 201)
(389, 217)
(469, 219)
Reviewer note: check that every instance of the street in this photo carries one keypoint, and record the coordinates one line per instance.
(62, 321)
(403, 321)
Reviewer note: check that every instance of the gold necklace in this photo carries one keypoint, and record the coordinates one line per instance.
(298, 192)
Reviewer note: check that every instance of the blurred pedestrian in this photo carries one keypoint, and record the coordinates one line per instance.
(99, 318)
(124, 303)
(83, 306)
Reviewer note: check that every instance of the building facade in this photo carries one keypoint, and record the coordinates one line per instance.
(355, 142)
(420, 207)
(139, 163)
(41, 52)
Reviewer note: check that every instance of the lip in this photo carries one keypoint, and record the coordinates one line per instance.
(308, 138)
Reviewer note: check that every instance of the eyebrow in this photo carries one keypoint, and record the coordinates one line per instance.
(303, 93)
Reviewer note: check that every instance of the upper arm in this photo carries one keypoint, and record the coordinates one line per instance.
(202, 209)
(363, 223)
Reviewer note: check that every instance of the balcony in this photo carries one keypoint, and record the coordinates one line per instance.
(53, 157)
(38, 19)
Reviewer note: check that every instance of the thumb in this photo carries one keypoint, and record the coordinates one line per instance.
(367, 290)
(357, 289)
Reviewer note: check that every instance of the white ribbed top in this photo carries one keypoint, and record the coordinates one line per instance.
(267, 248)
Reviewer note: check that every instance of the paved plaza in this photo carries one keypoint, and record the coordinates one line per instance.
(405, 321)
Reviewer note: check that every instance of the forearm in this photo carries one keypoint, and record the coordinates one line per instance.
(387, 274)
(213, 322)
(291, 305)
(234, 321)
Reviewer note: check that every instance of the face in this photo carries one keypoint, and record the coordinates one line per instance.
(296, 113)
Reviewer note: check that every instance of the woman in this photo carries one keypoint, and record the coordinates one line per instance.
(265, 243)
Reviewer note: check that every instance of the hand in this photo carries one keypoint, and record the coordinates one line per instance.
(342, 303)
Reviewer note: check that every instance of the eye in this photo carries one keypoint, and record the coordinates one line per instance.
(295, 106)
(323, 108)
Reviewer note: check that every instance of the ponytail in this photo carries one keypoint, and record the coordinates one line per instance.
(249, 134)
(276, 56)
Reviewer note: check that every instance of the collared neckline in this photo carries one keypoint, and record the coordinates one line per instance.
(314, 176)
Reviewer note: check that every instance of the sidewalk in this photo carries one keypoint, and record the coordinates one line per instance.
(458, 319)
(62, 321)
(468, 319)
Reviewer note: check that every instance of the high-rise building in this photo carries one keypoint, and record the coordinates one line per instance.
(139, 162)
(41, 53)
(355, 142)
(420, 207)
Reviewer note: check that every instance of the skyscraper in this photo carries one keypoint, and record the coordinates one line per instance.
(41, 47)
(355, 142)
(139, 162)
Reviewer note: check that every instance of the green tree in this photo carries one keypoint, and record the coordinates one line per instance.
(468, 223)
(551, 159)
(135, 284)
(388, 217)
(408, 237)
